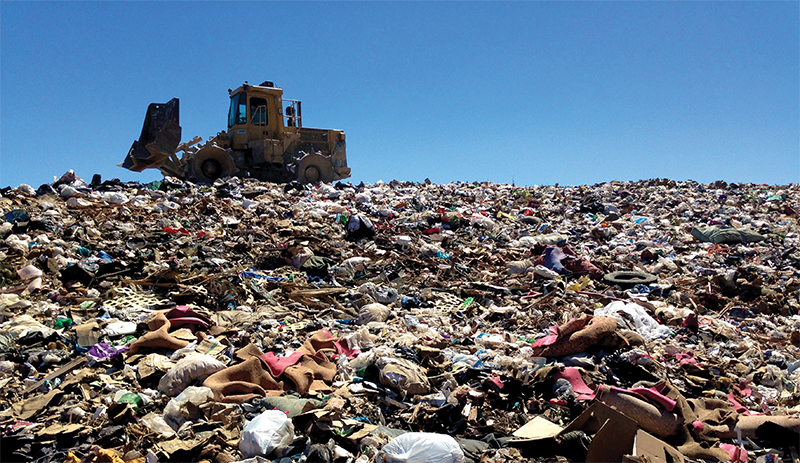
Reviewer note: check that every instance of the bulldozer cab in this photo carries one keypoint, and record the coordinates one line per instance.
(256, 113)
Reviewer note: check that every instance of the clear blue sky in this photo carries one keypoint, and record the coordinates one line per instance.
(529, 92)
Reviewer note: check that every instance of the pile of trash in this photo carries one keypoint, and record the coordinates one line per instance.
(399, 322)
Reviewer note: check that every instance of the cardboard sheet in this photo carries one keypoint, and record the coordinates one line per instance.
(538, 428)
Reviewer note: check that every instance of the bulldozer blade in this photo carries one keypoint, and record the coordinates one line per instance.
(161, 134)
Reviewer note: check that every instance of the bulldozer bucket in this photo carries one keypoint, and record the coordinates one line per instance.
(161, 135)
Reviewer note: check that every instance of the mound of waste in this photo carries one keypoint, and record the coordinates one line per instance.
(399, 322)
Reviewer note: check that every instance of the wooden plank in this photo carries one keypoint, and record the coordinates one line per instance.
(318, 292)
(80, 361)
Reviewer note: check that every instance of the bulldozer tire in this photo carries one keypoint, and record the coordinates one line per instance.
(314, 168)
(628, 279)
(211, 163)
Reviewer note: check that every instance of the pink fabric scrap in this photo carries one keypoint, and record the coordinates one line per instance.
(343, 349)
(738, 407)
(735, 452)
(278, 364)
(653, 395)
(648, 394)
(183, 315)
(547, 340)
(497, 381)
(192, 322)
(697, 426)
(684, 359)
(573, 375)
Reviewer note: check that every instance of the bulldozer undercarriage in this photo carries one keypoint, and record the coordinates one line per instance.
(210, 162)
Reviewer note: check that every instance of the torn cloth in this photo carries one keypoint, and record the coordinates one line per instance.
(701, 418)
(578, 335)
(307, 369)
(159, 336)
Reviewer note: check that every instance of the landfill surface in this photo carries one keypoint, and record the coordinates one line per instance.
(650, 321)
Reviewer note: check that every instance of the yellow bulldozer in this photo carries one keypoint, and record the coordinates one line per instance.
(265, 140)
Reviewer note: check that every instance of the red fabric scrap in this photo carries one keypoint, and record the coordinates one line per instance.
(172, 230)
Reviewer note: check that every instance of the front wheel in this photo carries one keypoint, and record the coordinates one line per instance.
(211, 163)
(313, 168)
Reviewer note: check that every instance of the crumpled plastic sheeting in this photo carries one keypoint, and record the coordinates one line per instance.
(632, 316)
(102, 351)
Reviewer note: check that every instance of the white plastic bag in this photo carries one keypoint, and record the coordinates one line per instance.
(361, 339)
(422, 447)
(518, 267)
(403, 375)
(176, 412)
(28, 273)
(187, 370)
(26, 189)
(632, 316)
(78, 202)
(68, 191)
(267, 432)
(381, 294)
(119, 328)
(481, 221)
(115, 197)
(375, 312)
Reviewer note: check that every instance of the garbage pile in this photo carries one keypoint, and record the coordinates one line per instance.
(399, 322)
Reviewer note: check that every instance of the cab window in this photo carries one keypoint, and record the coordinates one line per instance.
(238, 112)
(258, 111)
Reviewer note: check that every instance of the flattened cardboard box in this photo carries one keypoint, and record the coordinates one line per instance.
(650, 449)
(615, 437)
